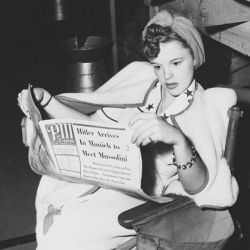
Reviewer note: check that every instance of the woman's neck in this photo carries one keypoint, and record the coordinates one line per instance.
(166, 100)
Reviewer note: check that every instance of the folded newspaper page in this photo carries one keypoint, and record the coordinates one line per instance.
(87, 152)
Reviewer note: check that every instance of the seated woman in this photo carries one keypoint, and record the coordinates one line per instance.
(181, 127)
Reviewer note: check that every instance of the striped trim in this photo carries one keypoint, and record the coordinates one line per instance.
(108, 116)
(69, 101)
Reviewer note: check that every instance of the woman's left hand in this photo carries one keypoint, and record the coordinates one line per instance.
(150, 128)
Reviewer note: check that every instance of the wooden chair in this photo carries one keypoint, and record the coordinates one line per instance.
(132, 218)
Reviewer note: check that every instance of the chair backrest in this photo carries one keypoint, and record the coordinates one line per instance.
(235, 113)
(239, 211)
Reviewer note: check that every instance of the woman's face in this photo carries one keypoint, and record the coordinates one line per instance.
(174, 67)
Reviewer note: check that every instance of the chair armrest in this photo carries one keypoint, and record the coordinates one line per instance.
(150, 209)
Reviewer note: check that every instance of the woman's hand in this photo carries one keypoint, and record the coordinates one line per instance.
(28, 131)
(42, 96)
(22, 100)
(152, 128)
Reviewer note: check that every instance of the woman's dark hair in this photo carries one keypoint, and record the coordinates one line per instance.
(156, 34)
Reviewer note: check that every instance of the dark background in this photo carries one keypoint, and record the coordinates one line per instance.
(30, 52)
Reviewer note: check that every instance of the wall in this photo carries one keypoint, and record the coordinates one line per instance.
(29, 54)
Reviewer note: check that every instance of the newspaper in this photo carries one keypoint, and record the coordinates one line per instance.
(86, 152)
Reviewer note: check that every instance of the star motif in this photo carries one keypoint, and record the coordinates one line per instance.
(150, 106)
(189, 93)
(165, 116)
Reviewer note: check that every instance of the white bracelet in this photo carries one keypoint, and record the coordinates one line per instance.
(189, 164)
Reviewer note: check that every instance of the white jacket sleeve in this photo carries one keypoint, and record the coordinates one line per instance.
(205, 124)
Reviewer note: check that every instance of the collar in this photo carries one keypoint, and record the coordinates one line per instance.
(181, 103)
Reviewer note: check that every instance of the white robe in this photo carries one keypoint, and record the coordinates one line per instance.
(90, 221)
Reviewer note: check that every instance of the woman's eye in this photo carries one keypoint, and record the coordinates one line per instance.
(176, 63)
(157, 67)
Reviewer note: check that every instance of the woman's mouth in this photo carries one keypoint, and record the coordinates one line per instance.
(171, 85)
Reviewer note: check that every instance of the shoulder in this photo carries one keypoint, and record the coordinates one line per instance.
(219, 97)
(213, 102)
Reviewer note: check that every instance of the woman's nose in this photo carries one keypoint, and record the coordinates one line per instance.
(168, 74)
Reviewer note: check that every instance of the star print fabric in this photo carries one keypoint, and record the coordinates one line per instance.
(152, 104)
(180, 103)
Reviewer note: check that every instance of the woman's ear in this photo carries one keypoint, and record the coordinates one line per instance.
(194, 62)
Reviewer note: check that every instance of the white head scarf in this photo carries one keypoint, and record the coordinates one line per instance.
(185, 29)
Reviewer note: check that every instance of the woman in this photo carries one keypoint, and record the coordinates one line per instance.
(180, 127)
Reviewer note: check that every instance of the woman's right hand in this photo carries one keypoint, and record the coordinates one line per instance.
(42, 96)
(28, 130)
(39, 93)
(22, 100)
